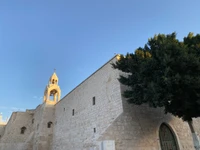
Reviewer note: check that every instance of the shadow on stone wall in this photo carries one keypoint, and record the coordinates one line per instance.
(137, 127)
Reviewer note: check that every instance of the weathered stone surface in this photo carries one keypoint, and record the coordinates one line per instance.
(79, 124)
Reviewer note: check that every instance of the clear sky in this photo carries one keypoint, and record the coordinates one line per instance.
(76, 37)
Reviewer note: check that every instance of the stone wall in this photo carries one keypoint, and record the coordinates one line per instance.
(42, 134)
(12, 138)
(93, 112)
(137, 128)
(37, 135)
(2, 128)
(81, 130)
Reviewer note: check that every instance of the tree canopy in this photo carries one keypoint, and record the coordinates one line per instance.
(164, 73)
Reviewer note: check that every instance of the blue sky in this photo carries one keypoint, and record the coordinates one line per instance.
(76, 37)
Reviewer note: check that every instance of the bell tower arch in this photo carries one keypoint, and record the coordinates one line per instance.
(52, 91)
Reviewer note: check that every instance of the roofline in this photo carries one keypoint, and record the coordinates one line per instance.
(87, 78)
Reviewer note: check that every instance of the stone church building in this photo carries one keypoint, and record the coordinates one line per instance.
(94, 116)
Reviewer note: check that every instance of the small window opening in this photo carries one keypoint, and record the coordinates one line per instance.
(73, 112)
(64, 109)
(23, 129)
(93, 100)
(32, 121)
(49, 124)
(53, 81)
(94, 130)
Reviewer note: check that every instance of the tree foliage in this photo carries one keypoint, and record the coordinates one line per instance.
(164, 73)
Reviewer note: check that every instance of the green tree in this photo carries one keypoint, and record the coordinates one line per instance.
(165, 73)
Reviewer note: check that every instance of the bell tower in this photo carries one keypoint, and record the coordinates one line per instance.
(52, 91)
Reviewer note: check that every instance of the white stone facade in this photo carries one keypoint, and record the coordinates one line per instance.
(89, 117)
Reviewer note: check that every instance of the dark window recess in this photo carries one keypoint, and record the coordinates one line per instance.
(23, 129)
(64, 109)
(94, 130)
(49, 124)
(73, 112)
(32, 121)
(93, 100)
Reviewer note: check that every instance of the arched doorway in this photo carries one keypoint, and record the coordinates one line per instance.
(167, 138)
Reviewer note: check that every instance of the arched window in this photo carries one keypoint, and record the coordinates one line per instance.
(23, 129)
(53, 81)
(167, 138)
(49, 124)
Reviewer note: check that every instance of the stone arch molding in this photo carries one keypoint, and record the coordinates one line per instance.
(173, 143)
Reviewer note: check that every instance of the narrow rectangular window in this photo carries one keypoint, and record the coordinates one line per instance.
(94, 130)
(93, 100)
(73, 112)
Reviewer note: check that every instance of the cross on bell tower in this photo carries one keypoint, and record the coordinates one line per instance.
(52, 90)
